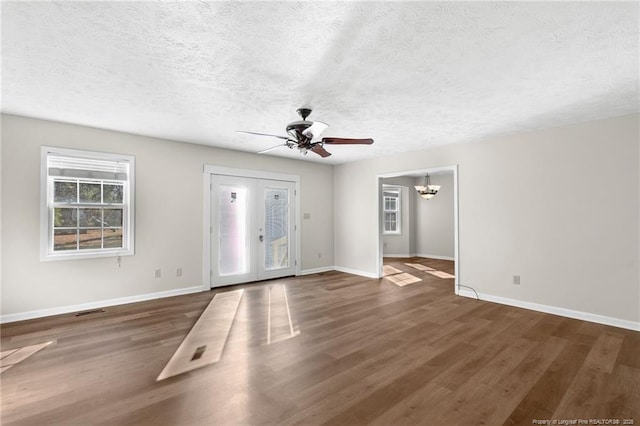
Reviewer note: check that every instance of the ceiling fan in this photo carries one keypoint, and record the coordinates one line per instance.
(304, 135)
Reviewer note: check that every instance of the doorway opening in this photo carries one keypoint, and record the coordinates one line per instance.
(426, 248)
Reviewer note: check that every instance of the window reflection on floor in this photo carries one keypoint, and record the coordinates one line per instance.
(280, 325)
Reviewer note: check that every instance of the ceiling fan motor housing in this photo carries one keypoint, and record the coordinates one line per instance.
(296, 128)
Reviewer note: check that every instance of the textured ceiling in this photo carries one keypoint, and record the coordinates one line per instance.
(409, 74)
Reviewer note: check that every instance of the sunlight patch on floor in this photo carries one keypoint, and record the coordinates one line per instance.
(389, 270)
(403, 279)
(419, 267)
(440, 274)
(11, 357)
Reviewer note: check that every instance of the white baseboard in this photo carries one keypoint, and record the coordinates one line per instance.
(398, 255)
(436, 256)
(585, 316)
(317, 270)
(21, 316)
(355, 272)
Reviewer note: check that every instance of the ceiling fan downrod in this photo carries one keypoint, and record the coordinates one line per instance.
(304, 113)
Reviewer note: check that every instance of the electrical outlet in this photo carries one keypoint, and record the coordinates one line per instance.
(516, 279)
(179, 272)
(158, 273)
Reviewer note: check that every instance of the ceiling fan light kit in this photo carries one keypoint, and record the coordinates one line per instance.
(427, 191)
(304, 135)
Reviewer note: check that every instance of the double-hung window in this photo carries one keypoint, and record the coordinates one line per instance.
(87, 204)
(391, 210)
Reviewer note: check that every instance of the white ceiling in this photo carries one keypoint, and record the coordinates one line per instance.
(409, 74)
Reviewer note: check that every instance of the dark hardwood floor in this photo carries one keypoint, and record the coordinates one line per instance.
(346, 351)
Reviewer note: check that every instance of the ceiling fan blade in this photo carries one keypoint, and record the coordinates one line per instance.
(272, 148)
(315, 129)
(263, 134)
(318, 149)
(345, 141)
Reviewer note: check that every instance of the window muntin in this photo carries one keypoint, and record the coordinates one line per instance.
(391, 211)
(88, 202)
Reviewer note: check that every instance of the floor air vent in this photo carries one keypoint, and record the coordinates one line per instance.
(198, 353)
(93, 311)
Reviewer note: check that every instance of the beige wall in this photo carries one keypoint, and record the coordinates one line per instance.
(434, 219)
(562, 212)
(558, 207)
(169, 216)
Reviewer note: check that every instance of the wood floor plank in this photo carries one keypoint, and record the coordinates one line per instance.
(374, 405)
(365, 351)
(604, 353)
(545, 395)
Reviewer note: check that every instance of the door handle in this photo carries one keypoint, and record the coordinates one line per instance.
(261, 238)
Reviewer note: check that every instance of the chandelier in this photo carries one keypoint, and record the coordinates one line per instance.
(427, 191)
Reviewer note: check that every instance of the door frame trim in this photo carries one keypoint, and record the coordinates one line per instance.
(207, 226)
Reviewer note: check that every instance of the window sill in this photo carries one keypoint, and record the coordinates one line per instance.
(85, 255)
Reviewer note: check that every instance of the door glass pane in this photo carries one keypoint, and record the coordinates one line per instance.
(233, 255)
(276, 232)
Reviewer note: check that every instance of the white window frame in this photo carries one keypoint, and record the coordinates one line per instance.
(398, 210)
(47, 204)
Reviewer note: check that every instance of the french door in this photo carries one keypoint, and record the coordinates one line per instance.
(252, 229)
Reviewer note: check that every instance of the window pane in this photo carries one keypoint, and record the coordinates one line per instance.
(65, 192)
(90, 239)
(391, 203)
(65, 217)
(112, 238)
(112, 194)
(90, 218)
(390, 222)
(113, 218)
(64, 239)
(90, 192)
